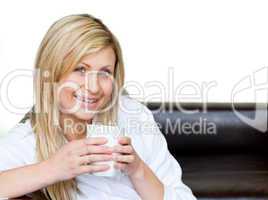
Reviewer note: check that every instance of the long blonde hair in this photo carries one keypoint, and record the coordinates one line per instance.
(64, 45)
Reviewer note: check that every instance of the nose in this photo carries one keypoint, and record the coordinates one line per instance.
(92, 82)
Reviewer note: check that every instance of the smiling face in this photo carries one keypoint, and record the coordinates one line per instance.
(93, 82)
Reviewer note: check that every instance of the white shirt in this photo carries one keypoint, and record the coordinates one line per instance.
(17, 149)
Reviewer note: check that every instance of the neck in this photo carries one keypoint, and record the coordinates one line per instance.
(73, 128)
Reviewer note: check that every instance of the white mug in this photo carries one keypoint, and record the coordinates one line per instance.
(111, 133)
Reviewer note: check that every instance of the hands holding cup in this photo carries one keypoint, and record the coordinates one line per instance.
(124, 157)
(101, 155)
(77, 157)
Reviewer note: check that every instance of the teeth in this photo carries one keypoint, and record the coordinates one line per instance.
(85, 100)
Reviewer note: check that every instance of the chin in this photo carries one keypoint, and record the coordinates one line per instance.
(84, 116)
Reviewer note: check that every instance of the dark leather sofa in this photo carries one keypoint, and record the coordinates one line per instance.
(226, 162)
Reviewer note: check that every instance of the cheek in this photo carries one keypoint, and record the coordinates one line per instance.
(107, 88)
(66, 99)
(65, 93)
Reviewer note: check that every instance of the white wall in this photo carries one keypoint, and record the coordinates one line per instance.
(199, 41)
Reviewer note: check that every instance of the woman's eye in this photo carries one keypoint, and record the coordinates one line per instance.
(81, 69)
(105, 73)
(108, 71)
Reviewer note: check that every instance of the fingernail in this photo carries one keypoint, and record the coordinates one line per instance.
(105, 140)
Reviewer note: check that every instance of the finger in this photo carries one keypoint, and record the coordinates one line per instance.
(120, 166)
(96, 140)
(88, 141)
(124, 158)
(124, 140)
(93, 168)
(94, 158)
(93, 149)
(128, 149)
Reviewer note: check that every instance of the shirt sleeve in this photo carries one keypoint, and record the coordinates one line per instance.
(10, 157)
(12, 153)
(163, 164)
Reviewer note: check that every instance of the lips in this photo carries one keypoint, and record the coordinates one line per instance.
(84, 99)
(87, 102)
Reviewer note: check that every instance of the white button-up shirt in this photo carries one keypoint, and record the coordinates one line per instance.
(17, 149)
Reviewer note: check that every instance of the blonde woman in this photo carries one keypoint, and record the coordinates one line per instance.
(79, 62)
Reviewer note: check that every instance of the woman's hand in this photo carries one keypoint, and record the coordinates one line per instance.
(77, 157)
(145, 182)
(126, 158)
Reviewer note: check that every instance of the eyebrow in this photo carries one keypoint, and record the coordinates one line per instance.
(101, 67)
